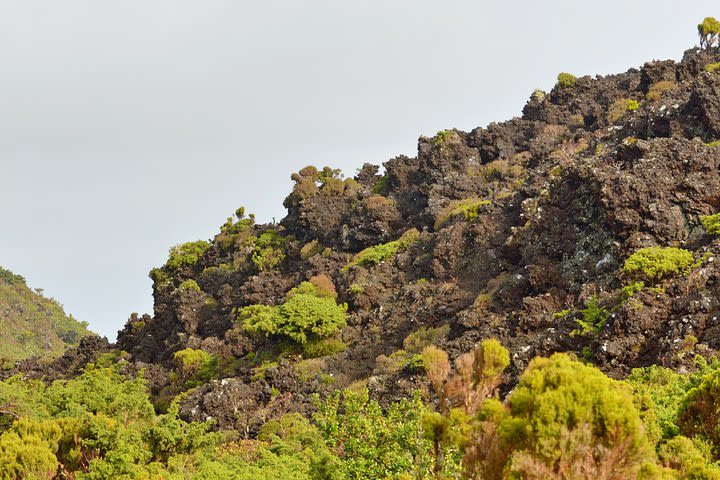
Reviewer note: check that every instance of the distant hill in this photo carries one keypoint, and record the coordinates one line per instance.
(31, 324)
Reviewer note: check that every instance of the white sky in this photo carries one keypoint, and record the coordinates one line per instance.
(128, 127)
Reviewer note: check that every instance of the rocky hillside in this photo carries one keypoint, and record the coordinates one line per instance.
(31, 324)
(535, 231)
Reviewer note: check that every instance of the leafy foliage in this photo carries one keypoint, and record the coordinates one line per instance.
(566, 79)
(653, 264)
(306, 314)
(711, 223)
(374, 255)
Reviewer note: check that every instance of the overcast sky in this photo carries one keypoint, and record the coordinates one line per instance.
(128, 127)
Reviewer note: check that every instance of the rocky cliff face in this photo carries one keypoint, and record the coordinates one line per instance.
(521, 229)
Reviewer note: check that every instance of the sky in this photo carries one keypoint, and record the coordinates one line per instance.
(129, 127)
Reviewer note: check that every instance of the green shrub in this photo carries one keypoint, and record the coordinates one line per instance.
(711, 223)
(653, 264)
(566, 79)
(324, 347)
(712, 67)
(563, 409)
(190, 285)
(304, 315)
(381, 186)
(657, 90)
(424, 337)
(620, 108)
(186, 255)
(8, 277)
(195, 366)
(311, 249)
(700, 409)
(268, 252)
(469, 208)
(593, 318)
(379, 253)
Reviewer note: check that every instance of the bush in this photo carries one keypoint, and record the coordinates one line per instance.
(620, 108)
(593, 318)
(268, 252)
(565, 412)
(186, 255)
(653, 264)
(711, 223)
(305, 315)
(323, 347)
(712, 67)
(469, 208)
(657, 90)
(374, 255)
(194, 366)
(311, 249)
(424, 337)
(566, 79)
(700, 409)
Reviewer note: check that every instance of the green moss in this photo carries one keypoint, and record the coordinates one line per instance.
(566, 79)
(713, 144)
(654, 264)
(356, 289)
(444, 136)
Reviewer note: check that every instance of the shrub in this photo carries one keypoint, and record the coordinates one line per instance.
(323, 347)
(712, 67)
(324, 286)
(304, 315)
(268, 252)
(700, 409)
(653, 264)
(657, 90)
(186, 255)
(566, 79)
(711, 223)
(310, 249)
(381, 186)
(194, 366)
(593, 318)
(566, 412)
(379, 253)
(424, 337)
(190, 285)
(619, 109)
(8, 277)
(469, 208)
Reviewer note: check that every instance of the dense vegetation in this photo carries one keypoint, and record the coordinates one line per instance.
(565, 419)
(537, 299)
(31, 324)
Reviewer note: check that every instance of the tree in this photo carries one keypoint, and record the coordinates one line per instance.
(709, 30)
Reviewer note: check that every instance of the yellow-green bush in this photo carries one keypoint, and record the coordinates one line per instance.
(711, 223)
(469, 208)
(566, 79)
(379, 253)
(653, 264)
